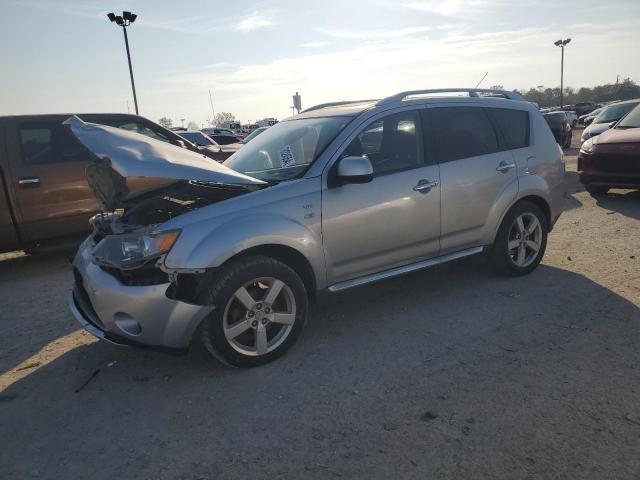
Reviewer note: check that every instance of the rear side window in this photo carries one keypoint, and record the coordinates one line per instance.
(50, 142)
(514, 125)
(460, 132)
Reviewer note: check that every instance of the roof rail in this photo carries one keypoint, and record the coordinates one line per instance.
(473, 92)
(335, 104)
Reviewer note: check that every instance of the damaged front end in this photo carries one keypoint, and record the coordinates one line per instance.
(123, 292)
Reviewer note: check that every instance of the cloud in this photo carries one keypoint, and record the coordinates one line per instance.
(253, 22)
(374, 34)
(314, 44)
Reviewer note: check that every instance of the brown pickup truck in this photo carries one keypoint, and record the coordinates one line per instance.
(44, 195)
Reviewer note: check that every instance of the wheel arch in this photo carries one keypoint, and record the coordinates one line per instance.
(287, 255)
(537, 200)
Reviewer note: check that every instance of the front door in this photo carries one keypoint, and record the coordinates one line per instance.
(394, 219)
(48, 180)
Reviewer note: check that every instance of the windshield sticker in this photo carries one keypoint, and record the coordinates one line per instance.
(286, 157)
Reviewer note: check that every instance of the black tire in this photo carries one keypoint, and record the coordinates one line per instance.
(593, 190)
(499, 256)
(223, 286)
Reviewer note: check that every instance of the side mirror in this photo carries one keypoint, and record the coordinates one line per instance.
(611, 125)
(355, 170)
(179, 143)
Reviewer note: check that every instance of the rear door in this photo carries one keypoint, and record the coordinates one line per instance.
(474, 172)
(52, 196)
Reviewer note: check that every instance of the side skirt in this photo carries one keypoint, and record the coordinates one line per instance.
(394, 272)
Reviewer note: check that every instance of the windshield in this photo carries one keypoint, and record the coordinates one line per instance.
(614, 113)
(253, 135)
(225, 139)
(632, 120)
(196, 137)
(286, 150)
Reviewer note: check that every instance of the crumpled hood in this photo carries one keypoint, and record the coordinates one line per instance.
(134, 155)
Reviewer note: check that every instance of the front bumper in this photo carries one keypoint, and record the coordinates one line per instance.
(130, 315)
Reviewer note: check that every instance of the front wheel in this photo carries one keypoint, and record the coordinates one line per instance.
(521, 240)
(260, 309)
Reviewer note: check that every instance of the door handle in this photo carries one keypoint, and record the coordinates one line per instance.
(504, 167)
(425, 186)
(29, 182)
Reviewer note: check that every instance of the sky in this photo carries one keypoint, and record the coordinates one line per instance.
(65, 55)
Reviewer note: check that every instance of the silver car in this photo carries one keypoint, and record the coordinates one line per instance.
(339, 196)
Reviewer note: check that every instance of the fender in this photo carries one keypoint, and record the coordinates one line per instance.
(528, 185)
(248, 231)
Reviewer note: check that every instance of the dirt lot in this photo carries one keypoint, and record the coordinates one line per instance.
(448, 373)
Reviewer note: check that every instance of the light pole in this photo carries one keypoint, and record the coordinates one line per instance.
(124, 20)
(561, 43)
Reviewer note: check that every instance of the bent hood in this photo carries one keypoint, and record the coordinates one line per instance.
(134, 155)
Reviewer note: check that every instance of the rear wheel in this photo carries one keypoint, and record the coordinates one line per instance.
(521, 240)
(596, 190)
(261, 307)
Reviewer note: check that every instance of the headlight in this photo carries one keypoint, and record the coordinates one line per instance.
(129, 251)
(588, 146)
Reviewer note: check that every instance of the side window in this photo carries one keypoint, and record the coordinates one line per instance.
(460, 132)
(514, 125)
(391, 143)
(144, 130)
(50, 142)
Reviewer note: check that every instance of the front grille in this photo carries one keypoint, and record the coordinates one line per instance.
(84, 302)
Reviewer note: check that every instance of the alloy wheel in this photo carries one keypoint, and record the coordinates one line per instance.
(525, 240)
(259, 316)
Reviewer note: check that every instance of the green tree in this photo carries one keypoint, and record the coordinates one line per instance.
(166, 122)
(224, 117)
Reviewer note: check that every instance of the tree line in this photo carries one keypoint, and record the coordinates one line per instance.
(550, 97)
(219, 119)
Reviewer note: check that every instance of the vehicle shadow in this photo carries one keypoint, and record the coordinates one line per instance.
(479, 353)
(625, 202)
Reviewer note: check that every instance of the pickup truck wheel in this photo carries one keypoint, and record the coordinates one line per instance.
(261, 307)
(521, 240)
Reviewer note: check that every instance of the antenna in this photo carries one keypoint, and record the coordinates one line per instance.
(484, 76)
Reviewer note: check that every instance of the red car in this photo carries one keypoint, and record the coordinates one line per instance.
(612, 159)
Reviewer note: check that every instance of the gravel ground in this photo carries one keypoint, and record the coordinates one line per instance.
(447, 373)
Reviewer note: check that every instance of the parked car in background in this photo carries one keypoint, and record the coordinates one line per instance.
(573, 118)
(560, 127)
(233, 258)
(253, 134)
(44, 195)
(224, 139)
(612, 159)
(607, 117)
(212, 131)
(210, 147)
(582, 108)
(587, 118)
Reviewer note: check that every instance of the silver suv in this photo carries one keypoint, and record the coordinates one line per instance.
(341, 195)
